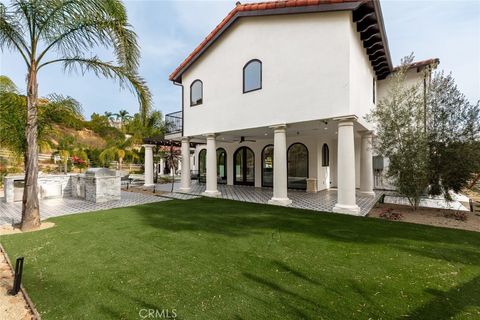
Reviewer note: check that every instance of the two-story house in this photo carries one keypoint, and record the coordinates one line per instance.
(275, 96)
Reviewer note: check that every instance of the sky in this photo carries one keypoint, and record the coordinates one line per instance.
(169, 30)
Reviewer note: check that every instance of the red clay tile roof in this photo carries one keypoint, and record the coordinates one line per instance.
(270, 5)
(422, 63)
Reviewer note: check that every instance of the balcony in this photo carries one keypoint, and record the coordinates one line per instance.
(173, 123)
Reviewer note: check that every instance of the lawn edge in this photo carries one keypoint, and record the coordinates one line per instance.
(29, 301)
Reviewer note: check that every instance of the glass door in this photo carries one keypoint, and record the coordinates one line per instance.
(244, 167)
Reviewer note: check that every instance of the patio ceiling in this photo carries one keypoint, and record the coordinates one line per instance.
(324, 127)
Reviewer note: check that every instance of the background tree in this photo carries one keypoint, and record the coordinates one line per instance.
(124, 117)
(401, 137)
(52, 31)
(65, 149)
(453, 128)
(153, 126)
(54, 109)
(118, 152)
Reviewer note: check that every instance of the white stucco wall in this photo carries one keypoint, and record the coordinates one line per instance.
(413, 78)
(306, 73)
(361, 75)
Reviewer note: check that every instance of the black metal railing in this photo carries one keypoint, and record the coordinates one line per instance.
(173, 122)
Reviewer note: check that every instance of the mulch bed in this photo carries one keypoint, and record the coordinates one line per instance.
(430, 216)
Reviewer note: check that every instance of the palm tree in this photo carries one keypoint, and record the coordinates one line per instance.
(117, 152)
(123, 116)
(48, 32)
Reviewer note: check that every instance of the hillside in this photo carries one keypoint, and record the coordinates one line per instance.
(83, 137)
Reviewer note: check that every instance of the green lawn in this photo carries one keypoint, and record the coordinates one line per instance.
(220, 259)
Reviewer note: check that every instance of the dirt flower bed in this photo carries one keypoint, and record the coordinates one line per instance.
(429, 216)
(11, 307)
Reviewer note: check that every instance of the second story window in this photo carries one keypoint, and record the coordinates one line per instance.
(252, 76)
(196, 93)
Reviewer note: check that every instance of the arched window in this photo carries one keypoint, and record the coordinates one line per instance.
(267, 166)
(244, 166)
(221, 166)
(202, 165)
(252, 76)
(325, 155)
(196, 93)
(297, 157)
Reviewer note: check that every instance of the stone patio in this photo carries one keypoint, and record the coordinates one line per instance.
(321, 201)
(10, 213)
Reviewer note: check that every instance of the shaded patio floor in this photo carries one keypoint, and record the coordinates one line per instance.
(321, 201)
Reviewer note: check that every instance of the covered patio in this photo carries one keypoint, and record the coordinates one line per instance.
(324, 164)
(324, 200)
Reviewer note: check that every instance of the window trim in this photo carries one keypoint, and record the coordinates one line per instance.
(374, 89)
(261, 75)
(191, 85)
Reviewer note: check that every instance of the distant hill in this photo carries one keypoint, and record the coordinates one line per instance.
(83, 137)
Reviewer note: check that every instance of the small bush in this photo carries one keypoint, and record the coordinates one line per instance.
(390, 215)
(457, 215)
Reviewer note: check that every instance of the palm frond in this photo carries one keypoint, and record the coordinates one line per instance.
(7, 85)
(125, 77)
(12, 34)
(78, 25)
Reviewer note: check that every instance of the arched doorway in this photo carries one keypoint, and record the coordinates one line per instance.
(244, 167)
(221, 166)
(297, 157)
(202, 166)
(267, 166)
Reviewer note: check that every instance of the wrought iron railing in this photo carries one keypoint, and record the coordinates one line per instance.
(173, 122)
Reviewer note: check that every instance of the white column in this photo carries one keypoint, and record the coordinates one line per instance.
(280, 179)
(366, 165)
(185, 185)
(148, 164)
(211, 189)
(161, 172)
(346, 200)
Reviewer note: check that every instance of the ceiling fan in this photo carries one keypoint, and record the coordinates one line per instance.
(242, 139)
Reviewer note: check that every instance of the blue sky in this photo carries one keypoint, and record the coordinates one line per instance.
(169, 30)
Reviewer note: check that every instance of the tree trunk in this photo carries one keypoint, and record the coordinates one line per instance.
(65, 165)
(30, 204)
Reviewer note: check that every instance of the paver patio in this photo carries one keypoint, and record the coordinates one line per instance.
(321, 201)
(10, 213)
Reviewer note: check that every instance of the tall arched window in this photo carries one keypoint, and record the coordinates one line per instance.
(297, 157)
(252, 76)
(221, 166)
(202, 165)
(267, 166)
(325, 155)
(244, 166)
(196, 93)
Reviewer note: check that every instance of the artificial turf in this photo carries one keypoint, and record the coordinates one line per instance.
(220, 259)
